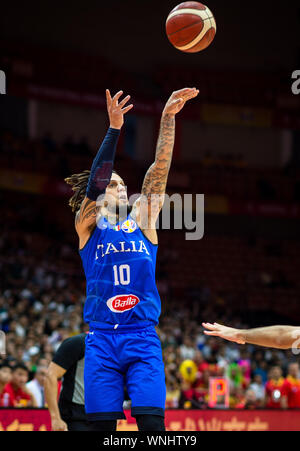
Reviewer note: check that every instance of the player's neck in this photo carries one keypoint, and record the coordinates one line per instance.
(114, 216)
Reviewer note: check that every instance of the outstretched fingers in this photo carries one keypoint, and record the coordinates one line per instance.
(124, 101)
(187, 93)
(182, 92)
(116, 98)
(126, 109)
(120, 106)
(213, 329)
(116, 109)
(212, 334)
(108, 98)
(191, 94)
(210, 326)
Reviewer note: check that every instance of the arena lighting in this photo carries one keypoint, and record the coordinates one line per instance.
(218, 392)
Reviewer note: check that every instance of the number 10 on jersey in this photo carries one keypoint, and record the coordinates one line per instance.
(121, 274)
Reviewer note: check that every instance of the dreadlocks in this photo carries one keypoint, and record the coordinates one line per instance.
(79, 184)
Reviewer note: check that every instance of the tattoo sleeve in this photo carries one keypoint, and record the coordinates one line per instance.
(156, 177)
(88, 212)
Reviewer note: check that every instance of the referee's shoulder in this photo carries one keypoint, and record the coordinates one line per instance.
(75, 340)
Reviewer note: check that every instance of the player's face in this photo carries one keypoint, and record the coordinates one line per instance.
(116, 194)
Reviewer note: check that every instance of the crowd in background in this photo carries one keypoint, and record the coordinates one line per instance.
(42, 293)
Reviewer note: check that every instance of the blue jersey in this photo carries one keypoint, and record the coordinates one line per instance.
(119, 265)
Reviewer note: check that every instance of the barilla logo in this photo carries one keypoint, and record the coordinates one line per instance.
(122, 303)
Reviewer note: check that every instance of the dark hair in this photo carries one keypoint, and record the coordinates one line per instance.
(79, 184)
(4, 364)
(20, 366)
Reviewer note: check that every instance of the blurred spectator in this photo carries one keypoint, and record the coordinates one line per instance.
(5, 378)
(258, 389)
(173, 395)
(200, 362)
(15, 392)
(234, 374)
(237, 398)
(261, 369)
(187, 349)
(291, 388)
(36, 385)
(201, 388)
(274, 388)
(251, 400)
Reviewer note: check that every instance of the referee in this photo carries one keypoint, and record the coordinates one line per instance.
(68, 414)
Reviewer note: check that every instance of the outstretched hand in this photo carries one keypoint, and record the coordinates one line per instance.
(178, 99)
(228, 333)
(116, 109)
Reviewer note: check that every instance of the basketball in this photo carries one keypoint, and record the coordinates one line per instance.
(191, 27)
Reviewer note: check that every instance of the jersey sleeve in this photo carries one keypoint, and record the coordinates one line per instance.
(70, 351)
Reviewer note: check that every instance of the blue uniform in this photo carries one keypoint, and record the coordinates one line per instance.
(122, 308)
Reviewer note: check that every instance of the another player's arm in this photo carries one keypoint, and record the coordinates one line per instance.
(54, 373)
(155, 181)
(281, 337)
(85, 220)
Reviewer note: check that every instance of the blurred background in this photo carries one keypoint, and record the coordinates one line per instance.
(238, 144)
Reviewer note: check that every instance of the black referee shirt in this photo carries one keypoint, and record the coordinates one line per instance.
(70, 356)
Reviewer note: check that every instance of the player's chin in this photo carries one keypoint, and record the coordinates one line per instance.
(122, 202)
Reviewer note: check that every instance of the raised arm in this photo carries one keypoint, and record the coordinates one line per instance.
(281, 337)
(101, 170)
(155, 181)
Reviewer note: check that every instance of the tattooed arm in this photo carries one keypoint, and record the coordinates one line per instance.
(155, 181)
(85, 220)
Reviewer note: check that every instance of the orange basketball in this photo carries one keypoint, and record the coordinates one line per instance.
(191, 27)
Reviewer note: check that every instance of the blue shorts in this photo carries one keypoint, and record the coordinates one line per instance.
(128, 356)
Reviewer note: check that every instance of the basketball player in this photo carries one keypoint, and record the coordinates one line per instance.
(118, 252)
(281, 337)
